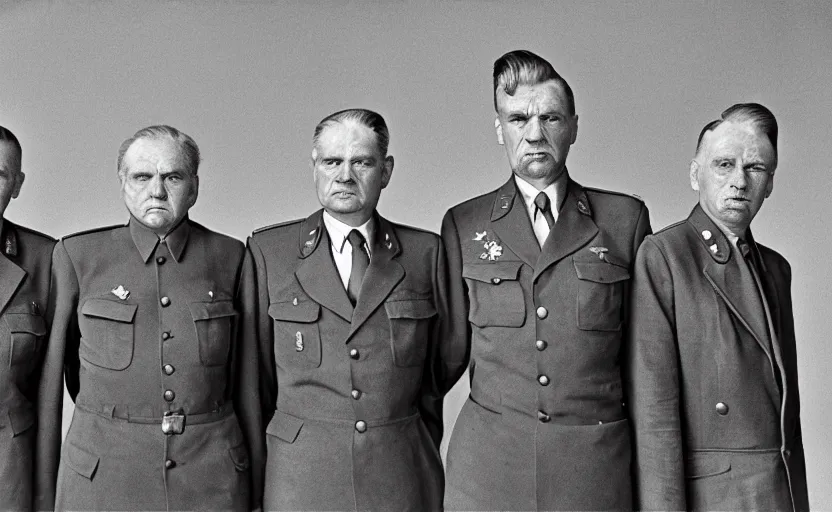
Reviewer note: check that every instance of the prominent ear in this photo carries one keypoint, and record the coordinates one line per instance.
(387, 171)
(195, 192)
(694, 174)
(770, 185)
(18, 182)
(499, 128)
(574, 128)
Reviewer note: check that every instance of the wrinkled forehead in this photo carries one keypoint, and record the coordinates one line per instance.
(743, 139)
(162, 154)
(548, 95)
(342, 137)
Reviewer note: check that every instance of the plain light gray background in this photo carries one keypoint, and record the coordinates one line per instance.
(249, 81)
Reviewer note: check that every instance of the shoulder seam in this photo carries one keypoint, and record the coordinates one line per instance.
(671, 226)
(279, 224)
(615, 192)
(93, 230)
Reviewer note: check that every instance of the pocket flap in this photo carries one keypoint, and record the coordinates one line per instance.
(702, 465)
(487, 272)
(239, 456)
(305, 312)
(284, 426)
(600, 272)
(81, 461)
(208, 310)
(21, 419)
(109, 309)
(420, 308)
(25, 322)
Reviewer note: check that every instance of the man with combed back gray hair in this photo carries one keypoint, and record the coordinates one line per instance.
(145, 332)
(350, 312)
(713, 363)
(541, 267)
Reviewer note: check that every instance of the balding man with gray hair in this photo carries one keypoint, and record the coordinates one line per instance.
(350, 314)
(145, 334)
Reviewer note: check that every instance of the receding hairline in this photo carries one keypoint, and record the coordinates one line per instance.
(188, 148)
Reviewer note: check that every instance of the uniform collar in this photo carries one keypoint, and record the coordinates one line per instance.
(338, 231)
(313, 227)
(146, 240)
(556, 192)
(8, 236)
(572, 192)
(712, 238)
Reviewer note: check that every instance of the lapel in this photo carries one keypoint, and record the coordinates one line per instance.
(735, 286)
(383, 274)
(574, 229)
(317, 273)
(11, 275)
(510, 222)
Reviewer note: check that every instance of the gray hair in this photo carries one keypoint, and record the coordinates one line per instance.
(368, 118)
(158, 132)
(522, 67)
(758, 115)
(6, 135)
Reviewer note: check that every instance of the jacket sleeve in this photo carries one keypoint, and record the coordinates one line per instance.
(652, 382)
(61, 355)
(457, 330)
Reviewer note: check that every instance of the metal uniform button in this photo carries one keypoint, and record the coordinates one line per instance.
(169, 395)
(165, 335)
(161, 260)
(168, 369)
(543, 380)
(543, 417)
(169, 464)
(496, 280)
(722, 409)
(360, 426)
(354, 353)
(355, 394)
(540, 345)
(542, 312)
(165, 302)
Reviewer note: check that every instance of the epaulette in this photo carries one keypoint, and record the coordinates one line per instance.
(33, 232)
(93, 230)
(279, 224)
(615, 193)
(413, 228)
(671, 226)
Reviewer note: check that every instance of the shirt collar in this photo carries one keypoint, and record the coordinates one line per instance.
(338, 231)
(556, 192)
(146, 240)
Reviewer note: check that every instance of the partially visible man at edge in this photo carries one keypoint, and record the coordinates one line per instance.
(25, 258)
(145, 332)
(540, 268)
(713, 363)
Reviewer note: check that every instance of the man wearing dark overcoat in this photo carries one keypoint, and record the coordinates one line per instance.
(25, 257)
(712, 366)
(541, 270)
(145, 333)
(350, 313)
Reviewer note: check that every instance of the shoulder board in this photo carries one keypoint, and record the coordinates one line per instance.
(413, 228)
(94, 230)
(615, 193)
(671, 226)
(279, 224)
(33, 232)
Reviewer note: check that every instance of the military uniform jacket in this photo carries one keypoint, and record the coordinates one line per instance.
(25, 257)
(352, 396)
(145, 328)
(714, 393)
(544, 427)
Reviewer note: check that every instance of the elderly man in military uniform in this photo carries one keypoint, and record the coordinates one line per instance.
(542, 267)
(145, 326)
(713, 368)
(349, 309)
(25, 256)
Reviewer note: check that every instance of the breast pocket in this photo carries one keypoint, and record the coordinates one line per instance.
(495, 294)
(600, 292)
(27, 331)
(213, 321)
(107, 333)
(297, 338)
(409, 330)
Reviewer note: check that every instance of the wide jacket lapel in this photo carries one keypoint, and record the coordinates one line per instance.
(574, 229)
(317, 273)
(511, 224)
(11, 276)
(383, 274)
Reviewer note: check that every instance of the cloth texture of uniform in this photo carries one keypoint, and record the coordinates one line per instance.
(25, 259)
(145, 328)
(713, 375)
(545, 427)
(352, 396)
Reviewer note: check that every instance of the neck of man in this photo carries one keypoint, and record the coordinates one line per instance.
(732, 232)
(540, 183)
(353, 219)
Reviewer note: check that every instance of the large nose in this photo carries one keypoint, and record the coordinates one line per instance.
(157, 187)
(534, 130)
(739, 180)
(344, 171)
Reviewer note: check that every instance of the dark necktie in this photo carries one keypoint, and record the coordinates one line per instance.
(542, 203)
(360, 262)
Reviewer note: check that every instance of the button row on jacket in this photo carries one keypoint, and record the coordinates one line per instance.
(543, 417)
(165, 335)
(361, 426)
(543, 380)
(165, 302)
(542, 312)
(169, 395)
(540, 345)
(168, 369)
(161, 260)
(354, 353)
(722, 408)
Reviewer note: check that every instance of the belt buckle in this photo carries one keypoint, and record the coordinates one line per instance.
(173, 422)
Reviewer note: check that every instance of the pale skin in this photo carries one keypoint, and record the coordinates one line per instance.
(537, 130)
(733, 173)
(11, 177)
(350, 171)
(157, 187)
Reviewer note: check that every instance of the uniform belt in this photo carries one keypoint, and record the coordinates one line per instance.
(122, 413)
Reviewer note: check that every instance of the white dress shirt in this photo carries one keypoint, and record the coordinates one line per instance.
(341, 247)
(556, 192)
